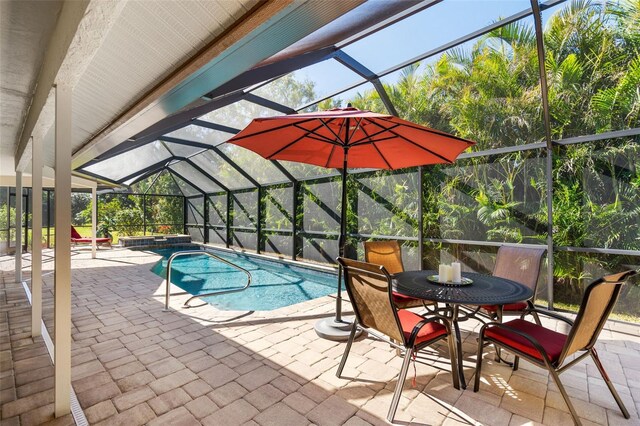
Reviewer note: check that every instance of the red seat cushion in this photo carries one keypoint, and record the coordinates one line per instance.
(88, 240)
(429, 331)
(520, 306)
(550, 340)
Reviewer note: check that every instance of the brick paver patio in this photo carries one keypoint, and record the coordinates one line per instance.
(135, 364)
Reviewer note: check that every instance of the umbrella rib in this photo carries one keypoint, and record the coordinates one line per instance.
(312, 133)
(423, 148)
(290, 144)
(425, 129)
(368, 139)
(356, 127)
(382, 156)
(338, 140)
(390, 129)
(330, 156)
(296, 123)
(315, 137)
(377, 149)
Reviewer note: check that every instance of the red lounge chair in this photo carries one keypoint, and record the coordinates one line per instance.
(79, 239)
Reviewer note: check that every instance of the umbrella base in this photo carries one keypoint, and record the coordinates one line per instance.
(331, 329)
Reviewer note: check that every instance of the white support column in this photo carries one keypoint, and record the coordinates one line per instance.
(94, 213)
(18, 262)
(36, 240)
(62, 280)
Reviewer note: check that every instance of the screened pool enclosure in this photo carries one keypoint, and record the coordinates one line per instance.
(555, 165)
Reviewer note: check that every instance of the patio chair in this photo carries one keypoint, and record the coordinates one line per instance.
(518, 264)
(550, 349)
(389, 255)
(369, 288)
(76, 238)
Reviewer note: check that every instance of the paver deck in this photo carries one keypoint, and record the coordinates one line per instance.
(133, 363)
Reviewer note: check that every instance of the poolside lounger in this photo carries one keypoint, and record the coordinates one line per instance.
(76, 238)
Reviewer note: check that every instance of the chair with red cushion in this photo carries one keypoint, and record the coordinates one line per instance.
(519, 264)
(369, 288)
(389, 254)
(76, 238)
(550, 349)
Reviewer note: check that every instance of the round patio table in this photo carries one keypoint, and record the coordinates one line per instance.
(485, 290)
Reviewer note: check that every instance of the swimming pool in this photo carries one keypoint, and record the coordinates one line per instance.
(274, 284)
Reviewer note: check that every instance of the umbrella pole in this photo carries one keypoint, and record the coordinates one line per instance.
(337, 328)
(342, 241)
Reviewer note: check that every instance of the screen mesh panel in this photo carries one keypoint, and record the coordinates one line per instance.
(245, 209)
(246, 240)
(488, 199)
(387, 204)
(217, 209)
(278, 208)
(597, 197)
(278, 244)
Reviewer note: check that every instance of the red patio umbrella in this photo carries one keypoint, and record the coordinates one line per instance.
(348, 137)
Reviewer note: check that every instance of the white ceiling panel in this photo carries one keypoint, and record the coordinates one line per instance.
(25, 28)
(148, 42)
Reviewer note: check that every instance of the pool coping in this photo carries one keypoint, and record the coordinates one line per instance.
(323, 268)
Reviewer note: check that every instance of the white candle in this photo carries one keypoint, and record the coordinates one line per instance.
(449, 273)
(456, 272)
(443, 273)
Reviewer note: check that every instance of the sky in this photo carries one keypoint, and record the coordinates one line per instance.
(420, 33)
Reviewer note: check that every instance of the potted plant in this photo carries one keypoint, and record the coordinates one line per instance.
(105, 227)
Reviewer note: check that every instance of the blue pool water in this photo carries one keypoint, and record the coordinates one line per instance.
(274, 284)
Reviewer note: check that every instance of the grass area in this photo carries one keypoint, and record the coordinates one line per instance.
(85, 231)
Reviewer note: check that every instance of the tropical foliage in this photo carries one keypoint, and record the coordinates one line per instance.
(489, 91)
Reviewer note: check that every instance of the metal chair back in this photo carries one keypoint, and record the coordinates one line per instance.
(520, 264)
(385, 253)
(597, 303)
(369, 288)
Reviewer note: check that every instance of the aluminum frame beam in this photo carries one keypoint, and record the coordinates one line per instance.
(469, 37)
(155, 166)
(203, 172)
(235, 166)
(271, 27)
(598, 137)
(544, 95)
(258, 100)
(173, 172)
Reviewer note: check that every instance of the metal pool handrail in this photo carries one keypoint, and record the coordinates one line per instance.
(193, 253)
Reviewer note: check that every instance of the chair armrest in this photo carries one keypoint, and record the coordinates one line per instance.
(532, 308)
(419, 325)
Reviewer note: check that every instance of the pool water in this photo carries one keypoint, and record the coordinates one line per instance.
(274, 284)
